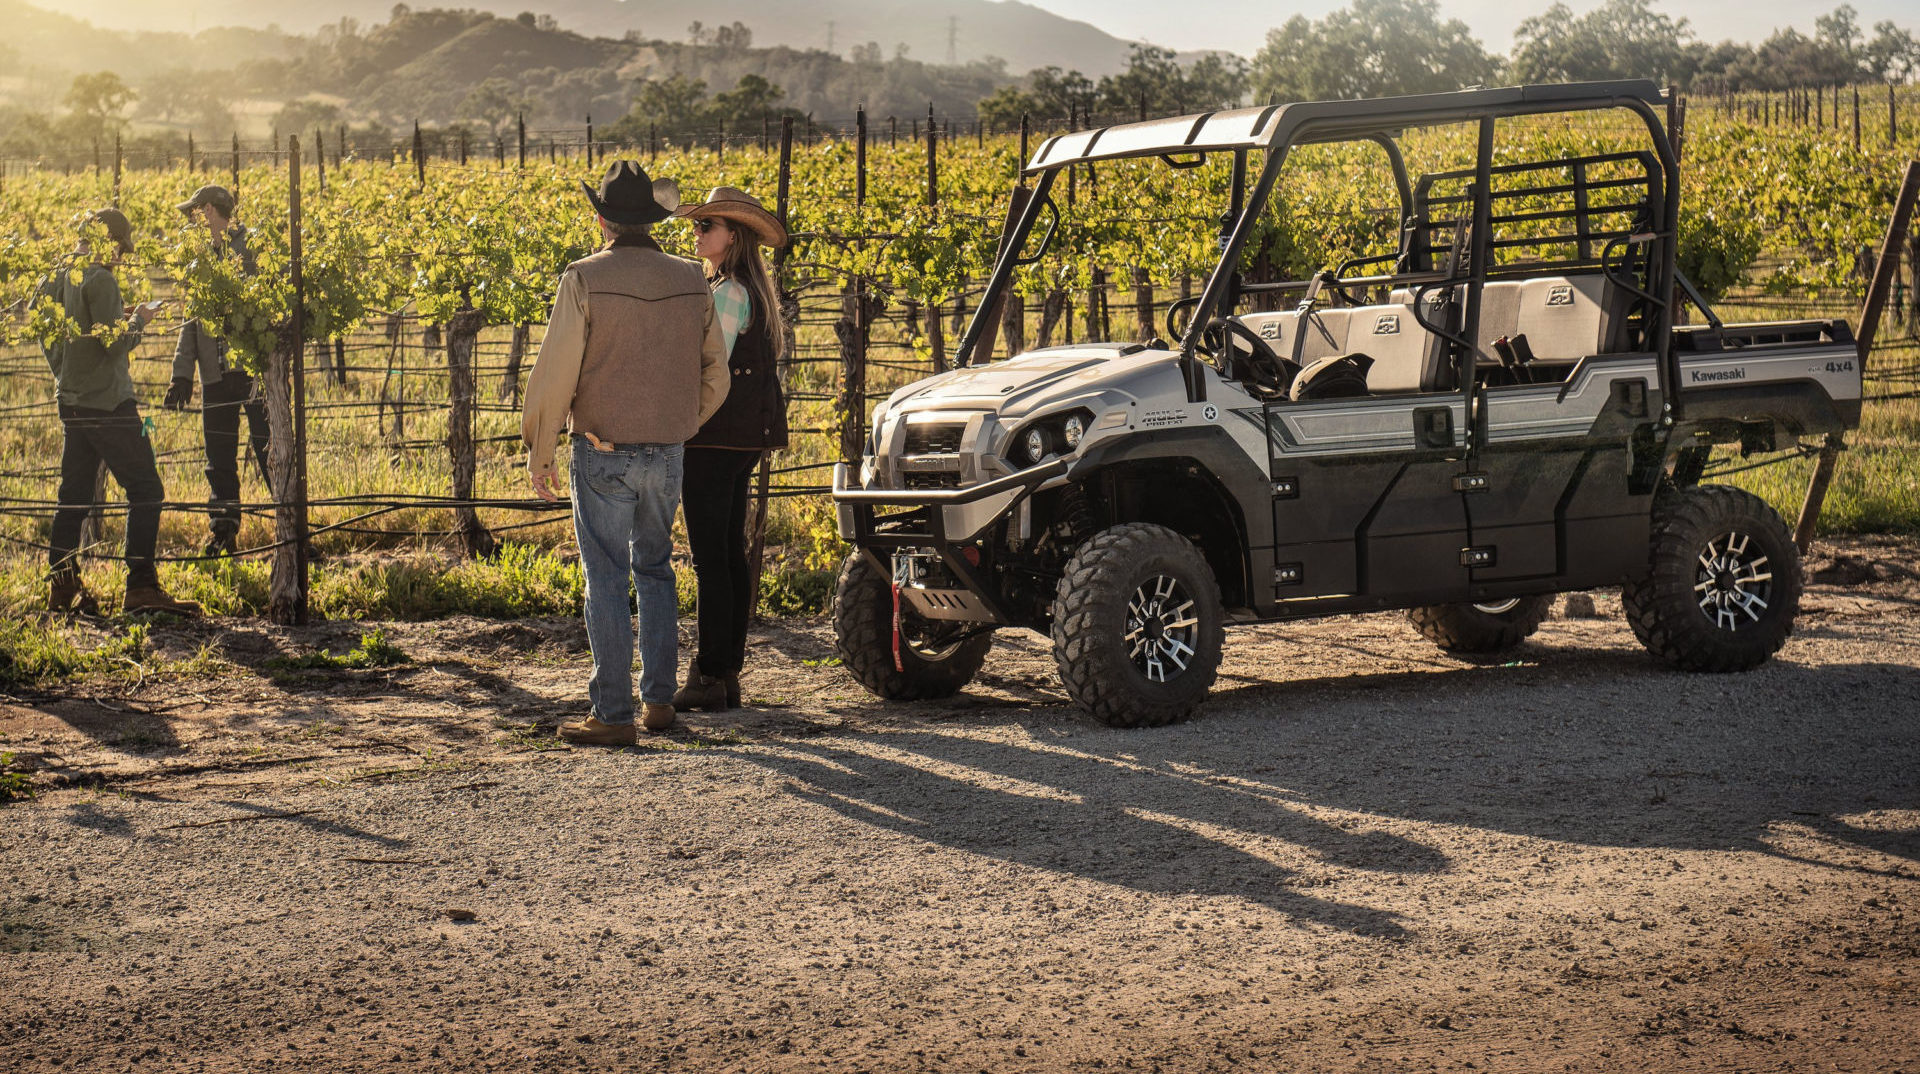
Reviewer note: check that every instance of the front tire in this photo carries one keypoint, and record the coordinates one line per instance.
(930, 666)
(1481, 629)
(1724, 584)
(1137, 626)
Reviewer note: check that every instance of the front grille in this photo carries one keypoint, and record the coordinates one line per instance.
(934, 439)
(933, 481)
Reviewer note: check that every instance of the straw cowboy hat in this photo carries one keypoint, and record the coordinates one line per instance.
(736, 206)
(628, 196)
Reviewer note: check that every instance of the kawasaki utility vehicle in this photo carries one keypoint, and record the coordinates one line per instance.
(1503, 408)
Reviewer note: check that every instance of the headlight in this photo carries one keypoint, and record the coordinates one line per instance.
(1034, 444)
(1070, 431)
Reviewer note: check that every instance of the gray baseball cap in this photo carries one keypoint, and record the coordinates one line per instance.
(118, 227)
(217, 196)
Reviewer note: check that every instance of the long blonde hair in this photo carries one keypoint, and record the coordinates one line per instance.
(745, 263)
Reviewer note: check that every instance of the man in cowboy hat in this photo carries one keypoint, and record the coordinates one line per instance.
(633, 360)
(100, 422)
(227, 391)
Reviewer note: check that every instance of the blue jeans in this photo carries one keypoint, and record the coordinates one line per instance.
(623, 503)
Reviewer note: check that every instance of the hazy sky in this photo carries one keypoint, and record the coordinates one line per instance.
(1241, 26)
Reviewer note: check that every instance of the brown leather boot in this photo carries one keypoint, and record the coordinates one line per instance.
(733, 689)
(152, 600)
(591, 732)
(702, 692)
(656, 717)
(66, 596)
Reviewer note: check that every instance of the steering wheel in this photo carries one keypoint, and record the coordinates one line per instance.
(1266, 368)
(1177, 332)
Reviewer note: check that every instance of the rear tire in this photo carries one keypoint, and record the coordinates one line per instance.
(863, 636)
(1724, 584)
(1137, 626)
(1481, 628)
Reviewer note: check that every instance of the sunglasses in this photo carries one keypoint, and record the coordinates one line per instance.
(705, 225)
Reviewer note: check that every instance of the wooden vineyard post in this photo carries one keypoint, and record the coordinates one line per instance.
(933, 159)
(860, 156)
(521, 122)
(1143, 302)
(516, 356)
(118, 159)
(236, 163)
(419, 155)
(286, 412)
(757, 523)
(1883, 270)
(463, 336)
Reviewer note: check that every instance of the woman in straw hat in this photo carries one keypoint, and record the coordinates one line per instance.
(730, 228)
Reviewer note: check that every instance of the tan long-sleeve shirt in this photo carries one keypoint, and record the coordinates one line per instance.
(633, 354)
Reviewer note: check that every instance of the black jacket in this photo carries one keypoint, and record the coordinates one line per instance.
(754, 415)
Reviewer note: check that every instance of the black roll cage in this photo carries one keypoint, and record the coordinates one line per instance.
(1276, 129)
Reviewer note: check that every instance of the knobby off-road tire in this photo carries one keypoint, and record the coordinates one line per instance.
(863, 633)
(1137, 626)
(1724, 583)
(1479, 629)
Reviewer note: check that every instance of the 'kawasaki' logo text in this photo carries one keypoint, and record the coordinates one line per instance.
(1707, 376)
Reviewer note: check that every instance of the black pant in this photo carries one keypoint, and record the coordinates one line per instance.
(116, 438)
(221, 404)
(713, 493)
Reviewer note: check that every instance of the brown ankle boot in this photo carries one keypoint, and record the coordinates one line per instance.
(701, 692)
(152, 600)
(733, 690)
(66, 596)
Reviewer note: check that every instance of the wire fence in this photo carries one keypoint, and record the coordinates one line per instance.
(395, 406)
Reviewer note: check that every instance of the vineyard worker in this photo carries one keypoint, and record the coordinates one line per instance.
(101, 423)
(730, 228)
(227, 390)
(633, 354)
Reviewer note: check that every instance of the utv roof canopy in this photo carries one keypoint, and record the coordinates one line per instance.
(1327, 121)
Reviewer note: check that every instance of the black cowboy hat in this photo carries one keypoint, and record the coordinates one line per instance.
(628, 196)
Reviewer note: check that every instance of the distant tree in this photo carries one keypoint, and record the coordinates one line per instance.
(1058, 94)
(97, 102)
(1003, 107)
(867, 55)
(674, 104)
(1618, 39)
(1155, 82)
(527, 19)
(1893, 55)
(301, 116)
(731, 38)
(743, 105)
(1790, 59)
(494, 102)
(1375, 48)
(698, 33)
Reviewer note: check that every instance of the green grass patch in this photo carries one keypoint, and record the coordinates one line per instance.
(373, 651)
(15, 783)
(35, 651)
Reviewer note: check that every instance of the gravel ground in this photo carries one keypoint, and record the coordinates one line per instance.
(1363, 855)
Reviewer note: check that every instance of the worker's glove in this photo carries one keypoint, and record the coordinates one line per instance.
(179, 394)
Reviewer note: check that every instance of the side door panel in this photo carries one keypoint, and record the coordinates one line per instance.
(1360, 507)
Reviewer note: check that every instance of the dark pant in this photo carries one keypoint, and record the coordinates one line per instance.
(221, 405)
(713, 493)
(114, 437)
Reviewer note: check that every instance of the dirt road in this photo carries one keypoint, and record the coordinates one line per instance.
(1363, 855)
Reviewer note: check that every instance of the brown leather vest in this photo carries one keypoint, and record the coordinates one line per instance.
(646, 318)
